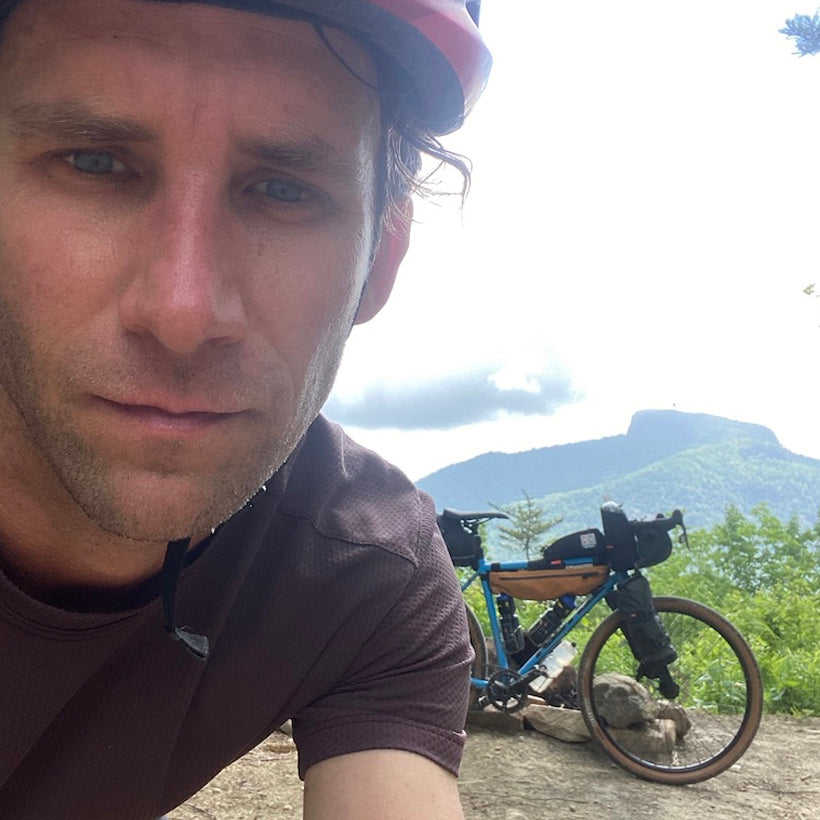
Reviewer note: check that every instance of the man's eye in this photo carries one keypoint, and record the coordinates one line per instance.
(283, 191)
(96, 162)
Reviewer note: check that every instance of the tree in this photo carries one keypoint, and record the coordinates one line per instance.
(806, 33)
(528, 523)
(763, 574)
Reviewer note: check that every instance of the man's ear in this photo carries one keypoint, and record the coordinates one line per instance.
(392, 248)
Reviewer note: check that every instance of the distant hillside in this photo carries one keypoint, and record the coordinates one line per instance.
(667, 459)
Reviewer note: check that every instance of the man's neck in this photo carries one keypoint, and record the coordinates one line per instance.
(99, 577)
(53, 551)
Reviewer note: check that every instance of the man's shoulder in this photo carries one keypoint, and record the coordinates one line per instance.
(349, 493)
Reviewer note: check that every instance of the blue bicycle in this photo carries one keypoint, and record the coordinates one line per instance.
(667, 687)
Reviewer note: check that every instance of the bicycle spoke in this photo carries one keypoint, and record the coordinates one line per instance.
(711, 721)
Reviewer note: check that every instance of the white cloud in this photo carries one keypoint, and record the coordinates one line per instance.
(643, 220)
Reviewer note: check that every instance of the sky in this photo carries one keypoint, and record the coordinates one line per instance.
(643, 219)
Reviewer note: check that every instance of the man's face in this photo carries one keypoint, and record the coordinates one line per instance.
(186, 225)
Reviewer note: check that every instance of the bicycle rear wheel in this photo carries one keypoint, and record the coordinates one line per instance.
(479, 644)
(707, 727)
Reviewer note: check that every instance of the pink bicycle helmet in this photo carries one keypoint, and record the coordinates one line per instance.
(435, 43)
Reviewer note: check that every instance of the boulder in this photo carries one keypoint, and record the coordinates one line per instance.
(677, 714)
(491, 718)
(622, 701)
(564, 724)
(656, 739)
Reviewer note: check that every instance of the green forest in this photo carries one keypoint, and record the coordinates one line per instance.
(763, 574)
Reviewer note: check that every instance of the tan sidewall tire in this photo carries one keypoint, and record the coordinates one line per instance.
(731, 752)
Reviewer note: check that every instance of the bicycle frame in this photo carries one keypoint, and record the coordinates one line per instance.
(570, 622)
(685, 735)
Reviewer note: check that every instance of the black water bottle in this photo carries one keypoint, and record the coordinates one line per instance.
(510, 628)
(544, 628)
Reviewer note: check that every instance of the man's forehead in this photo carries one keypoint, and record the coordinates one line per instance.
(253, 6)
(240, 41)
(436, 62)
(275, 91)
(206, 17)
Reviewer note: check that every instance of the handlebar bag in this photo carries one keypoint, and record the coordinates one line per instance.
(631, 544)
(547, 584)
(652, 546)
(463, 546)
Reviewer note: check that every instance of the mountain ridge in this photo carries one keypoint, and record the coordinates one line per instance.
(666, 459)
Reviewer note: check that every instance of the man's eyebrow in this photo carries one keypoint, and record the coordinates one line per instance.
(313, 153)
(72, 122)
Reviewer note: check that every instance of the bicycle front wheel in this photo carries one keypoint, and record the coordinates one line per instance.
(710, 723)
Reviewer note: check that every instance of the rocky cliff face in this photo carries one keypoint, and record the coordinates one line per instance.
(676, 431)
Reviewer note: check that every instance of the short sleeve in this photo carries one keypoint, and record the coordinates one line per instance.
(407, 687)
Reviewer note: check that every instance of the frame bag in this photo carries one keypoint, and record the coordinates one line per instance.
(547, 584)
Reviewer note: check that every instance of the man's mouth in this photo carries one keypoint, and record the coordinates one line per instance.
(161, 418)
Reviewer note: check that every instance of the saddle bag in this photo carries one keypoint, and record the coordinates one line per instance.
(644, 631)
(463, 546)
(546, 584)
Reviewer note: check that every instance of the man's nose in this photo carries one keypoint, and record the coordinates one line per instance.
(182, 285)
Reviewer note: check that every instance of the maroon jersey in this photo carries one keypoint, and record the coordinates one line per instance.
(328, 599)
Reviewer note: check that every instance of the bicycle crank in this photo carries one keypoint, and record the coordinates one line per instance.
(506, 691)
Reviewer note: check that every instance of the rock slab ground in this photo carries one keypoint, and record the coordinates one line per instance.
(510, 774)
